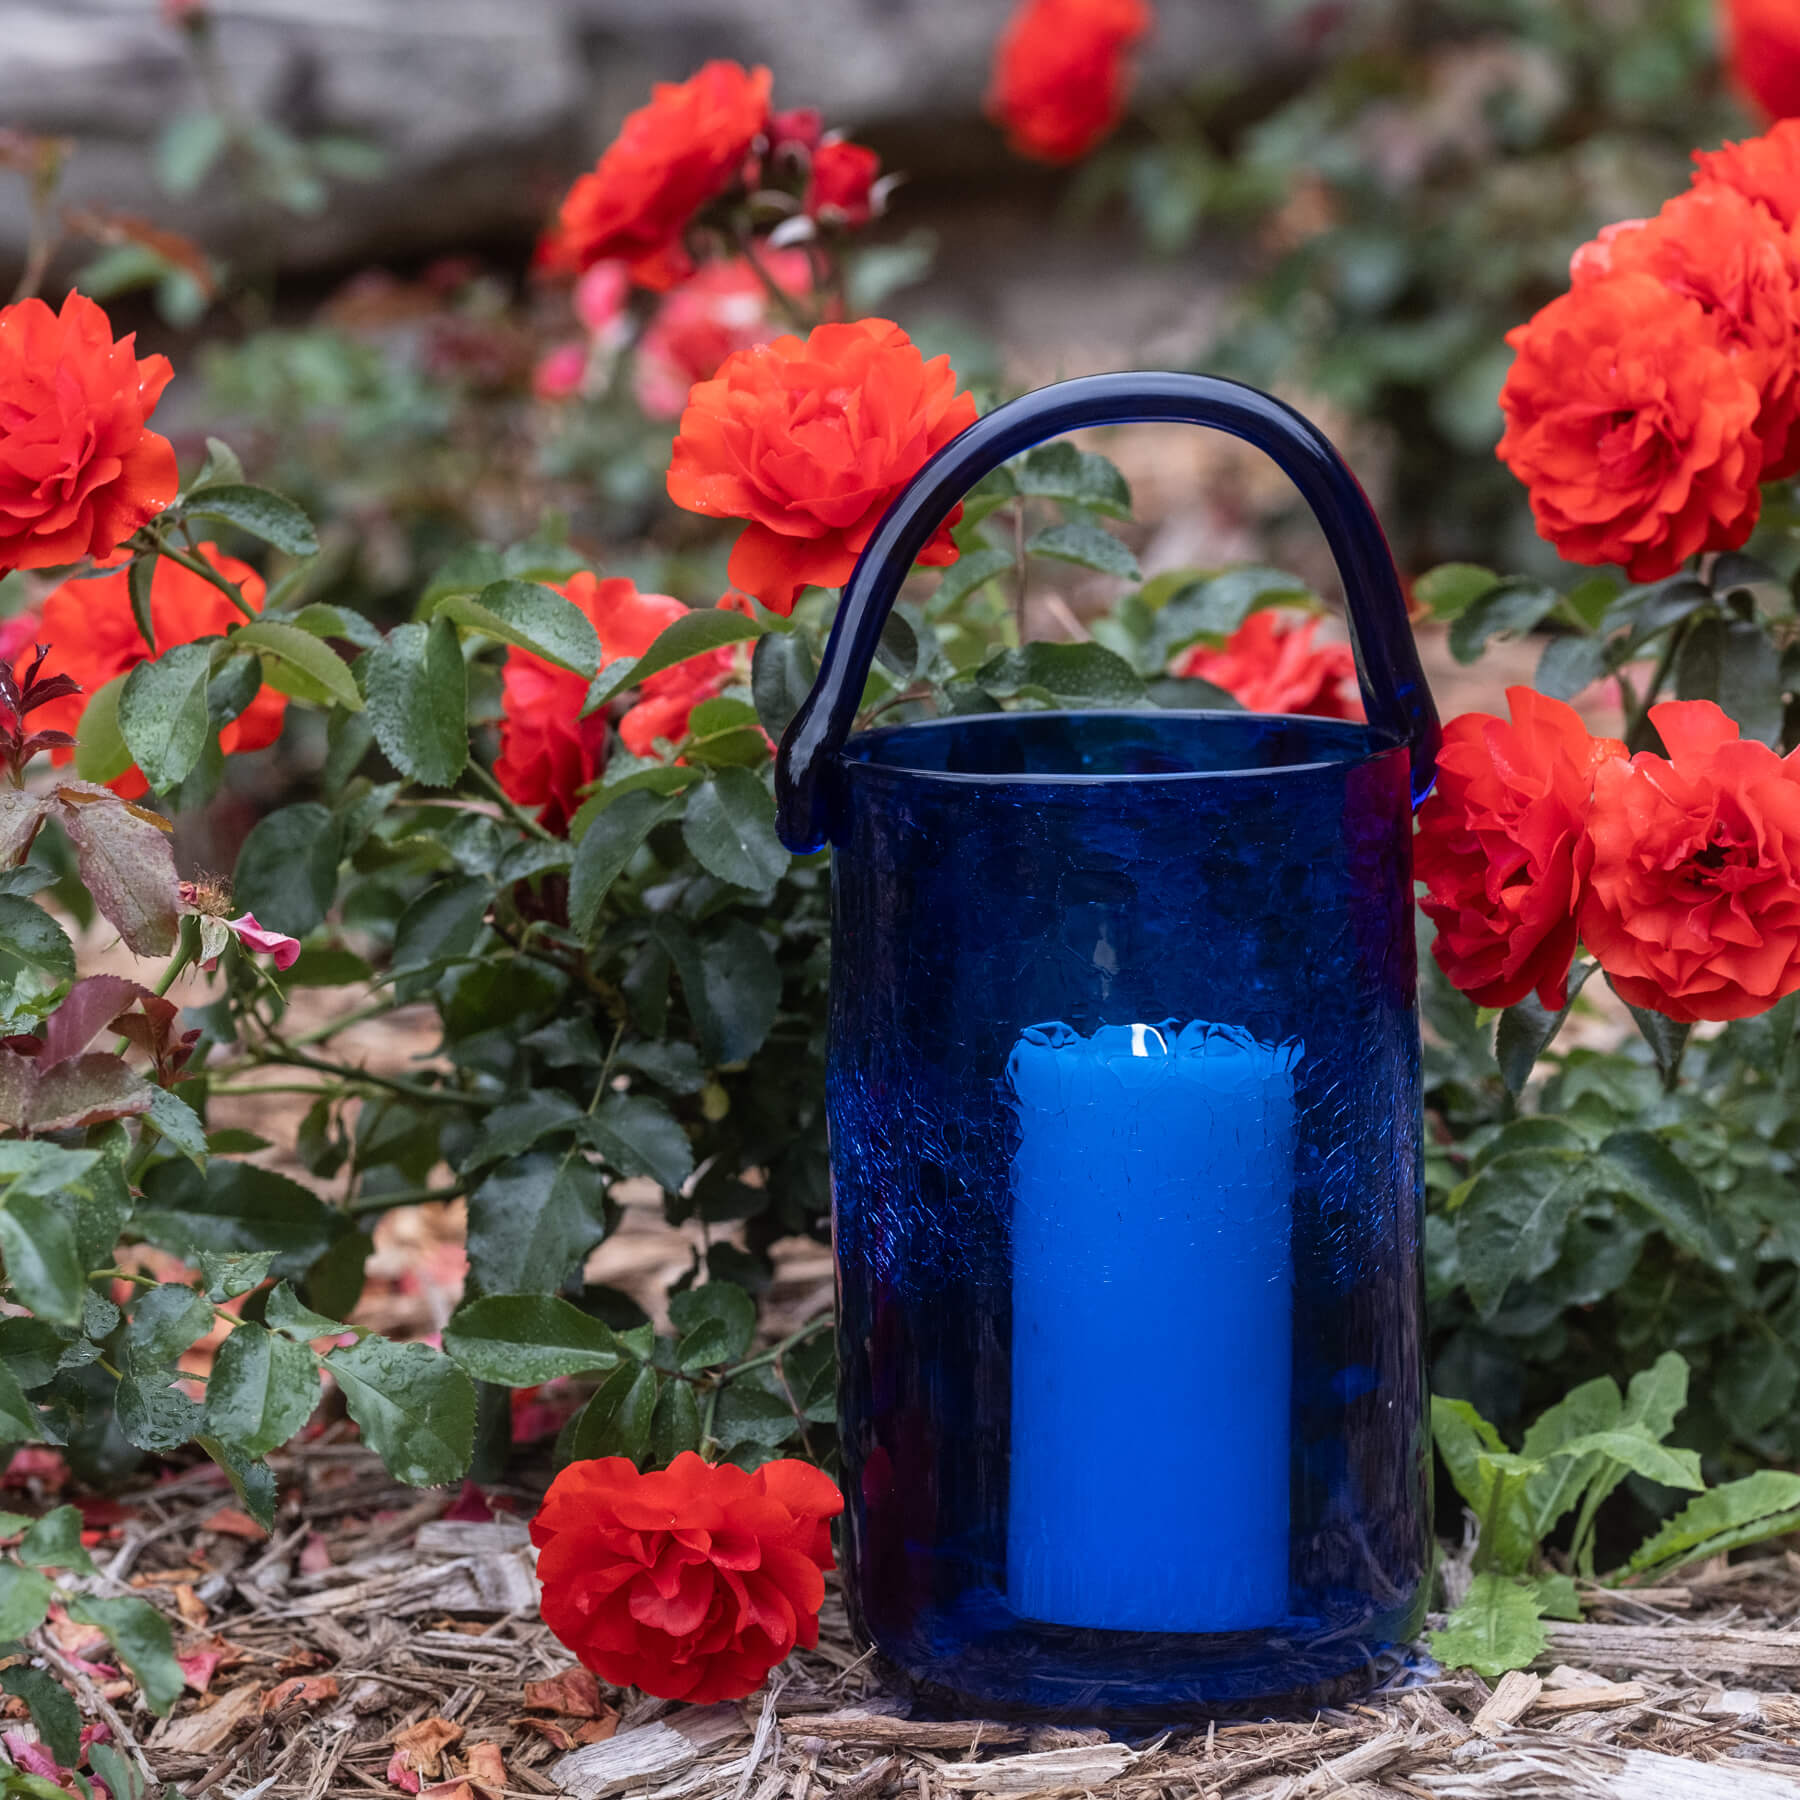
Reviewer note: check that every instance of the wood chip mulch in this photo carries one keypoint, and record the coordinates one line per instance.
(374, 1646)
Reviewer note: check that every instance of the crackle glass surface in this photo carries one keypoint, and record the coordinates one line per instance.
(999, 874)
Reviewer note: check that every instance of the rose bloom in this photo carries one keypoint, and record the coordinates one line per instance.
(810, 442)
(79, 470)
(725, 307)
(1632, 427)
(1270, 667)
(1763, 50)
(1765, 169)
(692, 1582)
(840, 186)
(1693, 889)
(1497, 847)
(550, 754)
(670, 158)
(1060, 74)
(1723, 250)
(94, 638)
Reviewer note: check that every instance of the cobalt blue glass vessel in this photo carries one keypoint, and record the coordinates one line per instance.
(1123, 1091)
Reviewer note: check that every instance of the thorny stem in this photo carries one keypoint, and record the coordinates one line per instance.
(784, 301)
(330, 1029)
(198, 565)
(412, 1090)
(415, 1196)
(513, 810)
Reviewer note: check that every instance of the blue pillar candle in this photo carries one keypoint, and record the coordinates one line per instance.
(1152, 1327)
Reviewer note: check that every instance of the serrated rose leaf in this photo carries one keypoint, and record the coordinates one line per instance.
(21, 815)
(86, 1011)
(84, 1090)
(126, 864)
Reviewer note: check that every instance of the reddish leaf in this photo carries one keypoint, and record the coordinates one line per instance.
(419, 1752)
(301, 1690)
(574, 1692)
(229, 1521)
(21, 815)
(155, 1029)
(198, 1668)
(560, 1736)
(87, 1009)
(126, 864)
(85, 1090)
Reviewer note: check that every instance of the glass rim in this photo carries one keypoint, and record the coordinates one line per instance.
(1362, 743)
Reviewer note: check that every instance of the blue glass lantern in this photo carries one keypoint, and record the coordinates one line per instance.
(1124, 1104)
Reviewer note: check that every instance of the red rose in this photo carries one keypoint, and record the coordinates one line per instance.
(670, 158)
(93, 638)
(1268, 667)
(1632, 427)
(1060, 74)
(1721, 249)
(1498, 847)
(839, 188)
(1765, 169)
(810, 442)
(725, 307)
(691, 1583)
(79, 472)
(550, 754)
(1763, 39)
(1693, 890)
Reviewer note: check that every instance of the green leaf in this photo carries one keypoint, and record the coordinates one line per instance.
(613, 837)
(52, 1708)
(226, 1276)
(1666, 1037)
(1511, 1223)
(972, 569)
(439, 926)
(263, 1390)
(162, 713)
(418, 699)
(222, 467)
(518, 1340)
(715, 1324)
(1557, 1595)
(782, 671)
(1755, 1385)
(101, 753)
(1450, 589)
(640, 1136)
(1526, 1030)
(287, 870)
(25, 1598)
(730, 828)
(187, 148)
(617, 1421)
(277, 641)
(35, 938)
(1594, 1406)
(154, 1414)
(1510, 609)
(533, 618)
(54, 1542)
(1088, 546)
(178, 1123)
(1642, 1165)
(19, 1423)
(416, 1408)
(692, 635)
(1076, 674)
(269, 516)
(167, 1320)
(140, 1636)
(284, 1313)
(732, 986)
(675, 1425)
(1760, 1506)
(43, 1266)
(235, 1207)
(513, 1129)
(1570, 665)
(1498, 1627)
(1642, 1455)
(253, 1482)
(751, 1415)
(1657, 1394)
(1215, 606)
(532, 1221)
(1476, 1457)
(724, 734)
(1058, 471)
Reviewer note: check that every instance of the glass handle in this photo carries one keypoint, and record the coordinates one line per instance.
(1395, 697)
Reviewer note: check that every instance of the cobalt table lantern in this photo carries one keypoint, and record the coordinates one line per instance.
(1124, 1104)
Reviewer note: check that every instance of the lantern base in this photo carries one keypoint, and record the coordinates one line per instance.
(1129, 1679)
